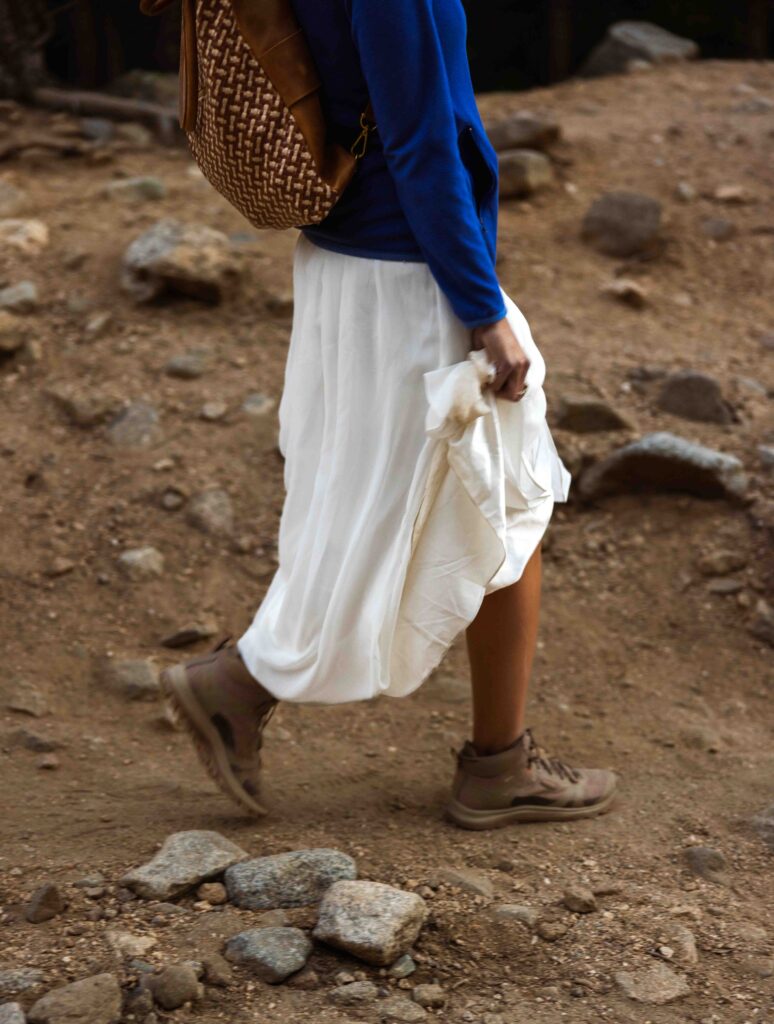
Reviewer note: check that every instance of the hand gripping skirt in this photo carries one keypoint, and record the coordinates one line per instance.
(411, 491)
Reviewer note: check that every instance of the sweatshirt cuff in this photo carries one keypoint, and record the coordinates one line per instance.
(484, 321)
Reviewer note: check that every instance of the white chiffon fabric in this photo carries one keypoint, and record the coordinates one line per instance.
(412, 492)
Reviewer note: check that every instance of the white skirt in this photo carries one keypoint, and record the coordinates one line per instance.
(412, 492)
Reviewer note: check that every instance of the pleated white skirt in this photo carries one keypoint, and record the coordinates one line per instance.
(412, 491)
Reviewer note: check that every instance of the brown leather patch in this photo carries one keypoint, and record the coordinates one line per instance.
(290, 67)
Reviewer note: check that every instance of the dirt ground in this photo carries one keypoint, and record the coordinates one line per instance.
(641, 666)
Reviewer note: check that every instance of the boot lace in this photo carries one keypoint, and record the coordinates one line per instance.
(536, 755)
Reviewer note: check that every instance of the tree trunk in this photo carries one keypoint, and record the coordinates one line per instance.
(24, 28)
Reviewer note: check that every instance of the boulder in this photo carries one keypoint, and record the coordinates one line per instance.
(189, 259)
(293, 879)
(523, 130)
(185, 860)
(665, 462)
(95, 1000)
(655, 985)
(272, 954)
(694, 396)
(522, 172)
(373, 921)
(584, 415)
(628, 41)
(622, 223)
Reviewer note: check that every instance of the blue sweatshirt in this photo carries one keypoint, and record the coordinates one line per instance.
(427, 187)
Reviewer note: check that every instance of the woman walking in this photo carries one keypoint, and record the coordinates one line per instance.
(419, 468)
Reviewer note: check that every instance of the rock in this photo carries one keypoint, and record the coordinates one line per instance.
(403, 967)
(188, 365)
(280, 303)
(588, 415)
(136, 190)
(258, 405)
(95, 1000)
(694, 396)
(213, 893)
(682, 942)
(718, 228)
(763, 823)
(29, 237)
(15, 980)
(665, 462)
(721, 562)
(97, 324)
(136, 679)
(370, 920)
(217, 970)
(211, 512)
(468, 880)
(12, 1013)
(214, 411)
(83, 408)
(32, 741)
(622, 223)
(706, 863)
(48, 762)
(127, 945)
(187, 258)
(13, 333)
(523, 130)
(628, 41)
(24, 698)
(699, 737)
(432, 997)
(522, 172)
(19, 298)
(766, 455)
(631, 293)
(140, 564)
(293, 879)
(516, 912)
(399, 1010)
(137, 426)
(190, 634)
(550, 930)
(762, 623)
(174, 986)
(307, 979)
(657, 984)
(44, 904)
(354, 994)
(579, 899)
(185, 860)
(12, 199)
(270, 953)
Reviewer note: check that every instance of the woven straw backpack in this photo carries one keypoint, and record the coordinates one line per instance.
(250, 107)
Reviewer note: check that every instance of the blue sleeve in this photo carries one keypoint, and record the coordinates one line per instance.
(405, 72)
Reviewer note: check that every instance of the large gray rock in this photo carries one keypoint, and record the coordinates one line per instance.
(185, 860)
(628, 41)
(135, 679)
(523, 130)
(665, 462)
(694, 396)
(15, 980)
(763, 824)
(95, 1000)
(19, 298)
(212, 512)
(12, 1013)
(584, 415)
(656, 985)
(270, 953)
(44, 904)
(622, 223)
(175, 985)
(13, 333)
(187, 258)
(373, 921)
(400, 1010)
(522, 172)
(136, 426)
(293, 879)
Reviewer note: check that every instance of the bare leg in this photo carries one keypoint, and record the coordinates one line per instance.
(501, 646)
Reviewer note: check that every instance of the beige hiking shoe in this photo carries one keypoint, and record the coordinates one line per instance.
(225, 710)
(522, 783)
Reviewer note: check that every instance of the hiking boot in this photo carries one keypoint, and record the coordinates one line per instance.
(225, 710)
(522, 783)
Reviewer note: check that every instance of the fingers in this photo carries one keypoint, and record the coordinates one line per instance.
(512, 387)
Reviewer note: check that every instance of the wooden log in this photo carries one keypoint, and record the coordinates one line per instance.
(163, 121)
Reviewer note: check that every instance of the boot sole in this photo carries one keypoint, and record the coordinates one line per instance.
(209, 746)
(468, 817)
